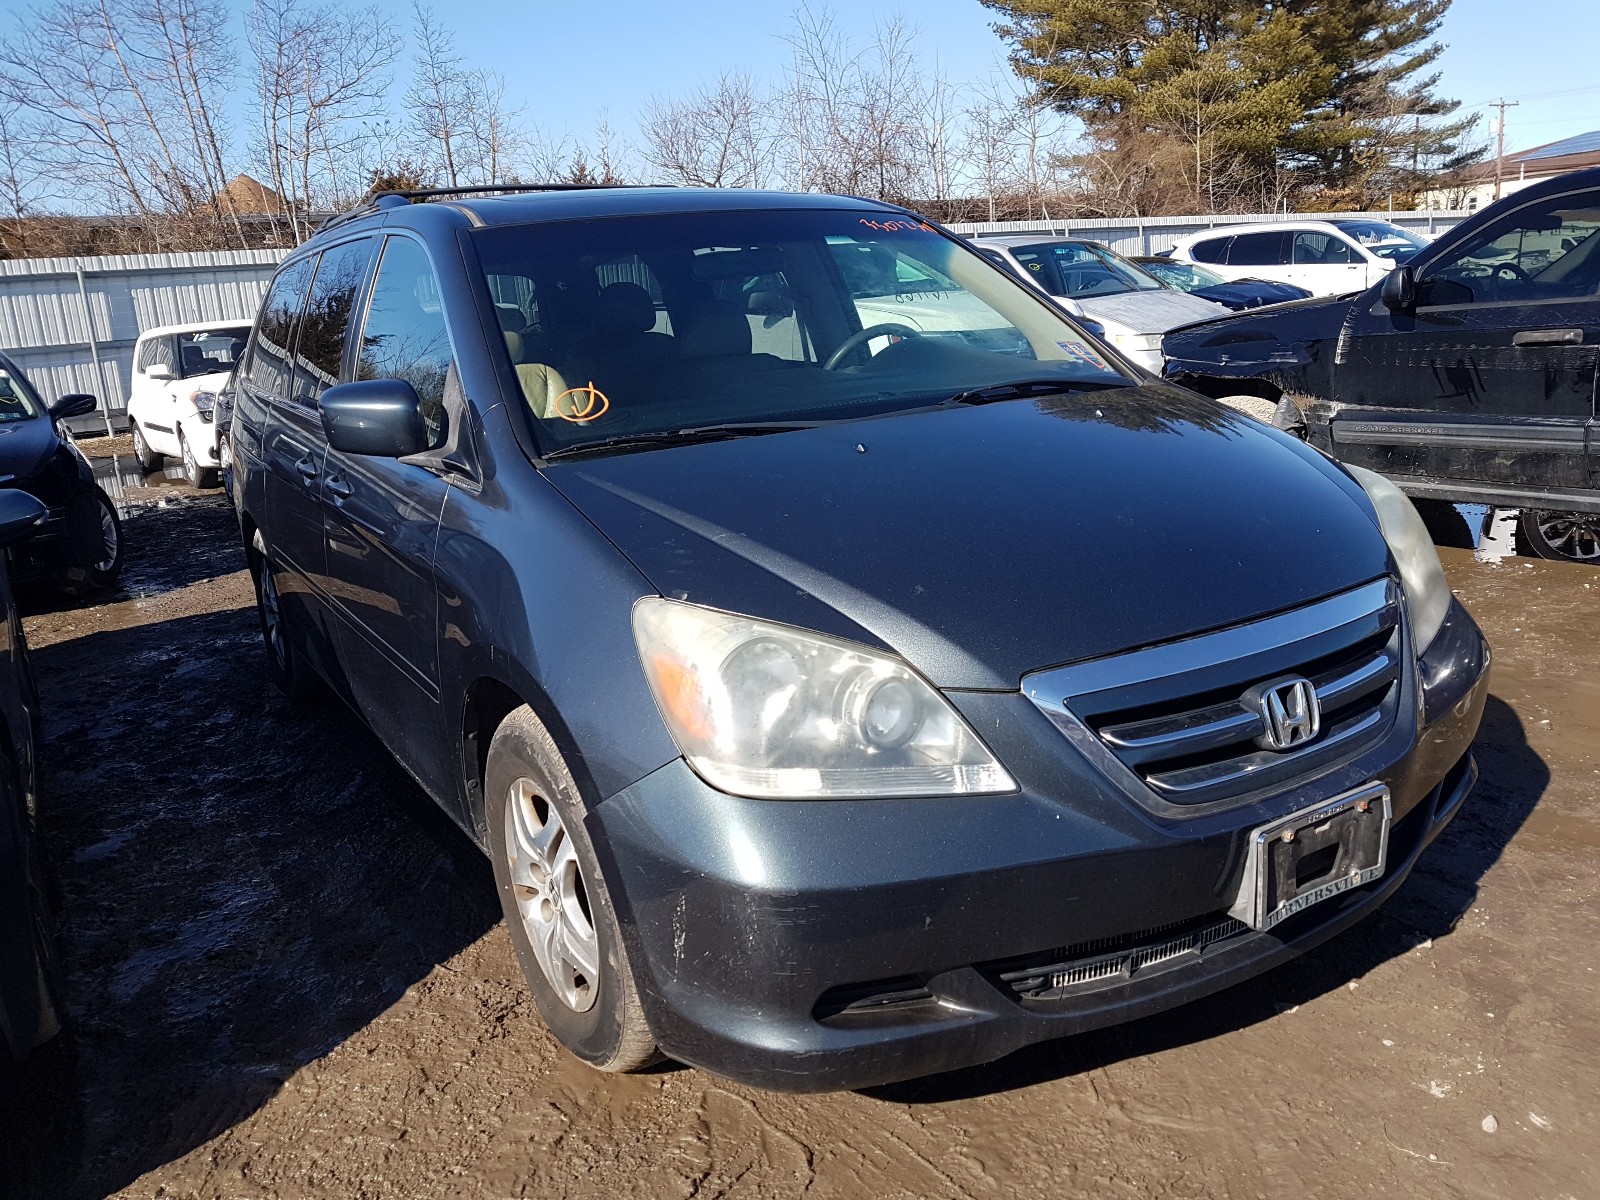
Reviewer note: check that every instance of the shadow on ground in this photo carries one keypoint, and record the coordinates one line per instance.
(243, 884)
(1441, 889)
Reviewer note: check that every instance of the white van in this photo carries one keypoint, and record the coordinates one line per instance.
(177, 370)
(1327, 258)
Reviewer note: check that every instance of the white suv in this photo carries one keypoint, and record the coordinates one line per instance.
(177, 370)
(1327, 258)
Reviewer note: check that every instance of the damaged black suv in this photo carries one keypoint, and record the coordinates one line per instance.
(1466, 374)
(852, 669)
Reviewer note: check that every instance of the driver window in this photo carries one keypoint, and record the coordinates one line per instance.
(1322, 249)
(1546, 250)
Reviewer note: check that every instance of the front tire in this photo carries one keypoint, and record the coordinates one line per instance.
(85, 578)
(194, 474)
(296, 678)
(147, 458)
(562, 921)
(1563, 536)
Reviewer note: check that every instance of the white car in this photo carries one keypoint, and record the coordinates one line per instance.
(1132, 306)
(1327, 258)
(177, 370)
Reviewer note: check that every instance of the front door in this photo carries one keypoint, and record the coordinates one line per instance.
(1325, 264)
(1492, 376)
(382, 522)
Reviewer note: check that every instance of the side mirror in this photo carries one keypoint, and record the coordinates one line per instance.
(1400, 289)
(74, 404)
(377, 417)
(160, 371)
(20, 515)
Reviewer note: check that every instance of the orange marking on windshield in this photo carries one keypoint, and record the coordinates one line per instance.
(593, 403)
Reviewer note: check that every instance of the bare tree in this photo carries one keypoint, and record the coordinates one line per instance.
(322, 79)
(437, 95)
(716, 136)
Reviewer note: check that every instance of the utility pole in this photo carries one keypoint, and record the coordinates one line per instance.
(1500, 149)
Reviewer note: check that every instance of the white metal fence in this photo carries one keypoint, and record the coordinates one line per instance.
(1151, 235)
(71, 323)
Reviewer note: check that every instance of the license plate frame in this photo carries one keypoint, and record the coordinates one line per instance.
(1355, 824)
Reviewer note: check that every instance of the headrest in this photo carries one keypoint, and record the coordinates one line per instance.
(513, 344)
(194, 359)
(511, 318)
(713, 330)
(625, 308)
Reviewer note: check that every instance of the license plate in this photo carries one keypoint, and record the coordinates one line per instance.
(1312, 855)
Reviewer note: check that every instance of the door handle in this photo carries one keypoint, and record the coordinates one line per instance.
(1548, 337)
(308, 468)
(338, 488)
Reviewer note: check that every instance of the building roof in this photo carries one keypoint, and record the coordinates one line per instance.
(1581, 143)
(245, 195)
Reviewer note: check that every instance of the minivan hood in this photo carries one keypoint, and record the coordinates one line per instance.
(984, 542)
(1151, 311)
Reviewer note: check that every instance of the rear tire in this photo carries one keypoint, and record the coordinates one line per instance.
(1562, 536)
(296, 678)
(148, 459)
(562, 922)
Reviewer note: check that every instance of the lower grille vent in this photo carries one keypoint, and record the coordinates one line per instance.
(858, 999)
(1089, 966)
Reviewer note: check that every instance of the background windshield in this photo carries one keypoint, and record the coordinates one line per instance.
(208, 351)
(644, 324)
(1383, 239)
(1079, 269)
(1184, 276)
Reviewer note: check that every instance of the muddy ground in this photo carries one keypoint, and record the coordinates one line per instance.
(288, 976)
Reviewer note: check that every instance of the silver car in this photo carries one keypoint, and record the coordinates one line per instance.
(1133, 306)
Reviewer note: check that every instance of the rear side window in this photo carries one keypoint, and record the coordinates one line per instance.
(146, 354)
(340, 274)
(405, 335)
(1212, 250)
(274, 337)
(1260, 249)
(1315, 248)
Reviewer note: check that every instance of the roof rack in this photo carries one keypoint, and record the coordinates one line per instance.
(395, 197)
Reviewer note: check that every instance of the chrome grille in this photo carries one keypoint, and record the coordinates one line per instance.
(1178, 718)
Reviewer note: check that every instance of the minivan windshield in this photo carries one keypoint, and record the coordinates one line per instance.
(1383, 239)
(1082, 270)
(623, 327)
(207, 351)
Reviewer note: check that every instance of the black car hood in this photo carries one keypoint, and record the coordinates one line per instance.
(982, 543)
(25, 446)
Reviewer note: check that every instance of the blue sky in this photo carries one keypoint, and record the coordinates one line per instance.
(549, 56)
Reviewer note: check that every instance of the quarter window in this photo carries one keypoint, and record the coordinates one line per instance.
(1213, 250)
(405, 335)
(340, 273)
(269, 368)
(1314, 248)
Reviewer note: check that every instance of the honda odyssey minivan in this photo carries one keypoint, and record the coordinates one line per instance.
(840, 696)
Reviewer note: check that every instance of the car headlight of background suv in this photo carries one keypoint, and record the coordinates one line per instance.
(1136, 343)
(1427, 591)
(770, 711)
(204, 402)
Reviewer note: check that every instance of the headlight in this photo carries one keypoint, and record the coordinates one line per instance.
(1427, 592)
(203, 402)
(771, 711)
(1137, 343)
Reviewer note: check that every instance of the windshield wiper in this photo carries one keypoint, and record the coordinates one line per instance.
(680, 437)
(1018, 388)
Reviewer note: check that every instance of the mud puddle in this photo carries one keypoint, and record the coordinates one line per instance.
(288, 977)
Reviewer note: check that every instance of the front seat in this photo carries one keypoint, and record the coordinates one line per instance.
(622, 351)
(715, 346)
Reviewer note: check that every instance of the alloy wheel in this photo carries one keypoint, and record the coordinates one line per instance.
(1574, 536)
(110, 538)
(271, 613)
(551, 898)
(191, 468)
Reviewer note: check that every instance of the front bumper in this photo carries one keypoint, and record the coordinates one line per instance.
(810, 946)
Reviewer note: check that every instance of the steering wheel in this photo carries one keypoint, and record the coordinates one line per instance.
(1511, 268)
(863, 336)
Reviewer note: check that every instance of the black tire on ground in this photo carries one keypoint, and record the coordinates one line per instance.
(148, 459)
(51, 1010)
(194, 474)
(612, 1035)
(1563, 536)
(83, 579)
(296, 678)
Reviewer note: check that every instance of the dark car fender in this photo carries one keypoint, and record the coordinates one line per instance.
(1287, 349)
(513, 629)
